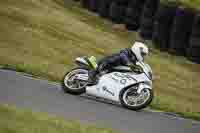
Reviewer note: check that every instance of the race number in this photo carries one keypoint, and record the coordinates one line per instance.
(122, 78)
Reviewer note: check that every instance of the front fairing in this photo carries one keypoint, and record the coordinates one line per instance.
(146, 69)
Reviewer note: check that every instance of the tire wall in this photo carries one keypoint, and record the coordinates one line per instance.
(122, 2)
(181, 31)
(117, 12)
(133, 14)
(193, 51)
(170, 25)
(93, 5)
(104, 8)
(85, 4)
(162, 25)
(147, 18)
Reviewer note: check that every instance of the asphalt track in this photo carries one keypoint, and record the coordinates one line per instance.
(44, 96)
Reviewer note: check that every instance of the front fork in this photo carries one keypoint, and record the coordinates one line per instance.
(141, 86)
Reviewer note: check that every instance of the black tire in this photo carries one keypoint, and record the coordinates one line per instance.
(103, 8)
(193, 54)
(131, 20)
(93, 5)
(122, 2)
(117, 13)
(196, 26)
(181, 31)
(136, 107)
(147, 19)
(162, 26)
(147, 24)
(146, 28)
(195, 35)
(73, 91)
(85, 4)
(194, 41)
(150, 8)
(133, 14)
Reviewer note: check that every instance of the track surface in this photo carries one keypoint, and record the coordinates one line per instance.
(41, 95)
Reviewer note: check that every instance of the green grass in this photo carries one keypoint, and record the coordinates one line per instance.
(22, 121)
(193, 4)
(44, 37)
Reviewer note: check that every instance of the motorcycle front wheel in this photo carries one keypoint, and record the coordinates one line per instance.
(73, 86)
(131, 100)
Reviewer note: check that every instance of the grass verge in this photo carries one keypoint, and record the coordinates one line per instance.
(22, 121)
(44, 37)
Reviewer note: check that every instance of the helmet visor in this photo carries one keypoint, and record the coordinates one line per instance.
(143, 54)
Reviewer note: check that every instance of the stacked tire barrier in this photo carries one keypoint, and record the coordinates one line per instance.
(133, 13)
(163, 24)
(117, 11)
(147, 19)
(85, 4)
(93, 5)
(104, 8)
(171, 27)
(181, 30)
(193, 51)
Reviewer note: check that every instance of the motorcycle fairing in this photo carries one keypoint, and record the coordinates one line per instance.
(110, 85)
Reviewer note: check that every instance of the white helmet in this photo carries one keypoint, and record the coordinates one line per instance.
(140, 50)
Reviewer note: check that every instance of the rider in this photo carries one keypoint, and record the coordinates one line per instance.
(125, 57)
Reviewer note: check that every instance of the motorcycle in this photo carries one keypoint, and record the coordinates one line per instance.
(130, 86)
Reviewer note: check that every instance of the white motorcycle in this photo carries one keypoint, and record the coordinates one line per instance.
(131, 87)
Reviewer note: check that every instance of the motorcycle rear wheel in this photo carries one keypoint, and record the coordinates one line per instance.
(73, 86)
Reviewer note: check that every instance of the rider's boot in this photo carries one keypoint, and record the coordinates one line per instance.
(93, 80)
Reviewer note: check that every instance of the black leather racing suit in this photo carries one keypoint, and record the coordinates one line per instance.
(124, 57)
